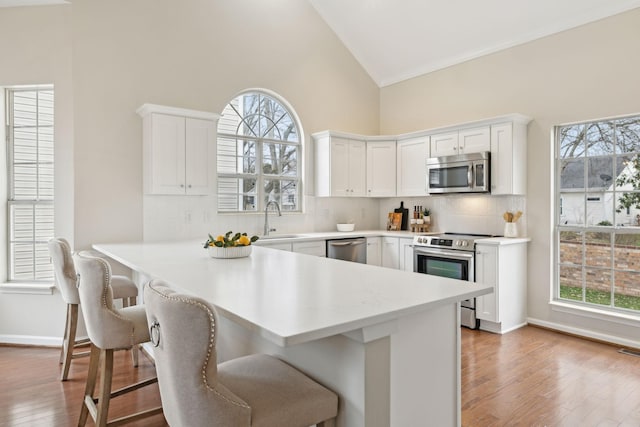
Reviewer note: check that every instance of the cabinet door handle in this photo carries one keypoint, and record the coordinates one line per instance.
(189, 186)
(181, 185)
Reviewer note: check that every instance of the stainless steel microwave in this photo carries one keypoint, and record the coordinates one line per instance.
(462, 173)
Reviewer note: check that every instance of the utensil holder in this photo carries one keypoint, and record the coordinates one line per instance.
(510, 229)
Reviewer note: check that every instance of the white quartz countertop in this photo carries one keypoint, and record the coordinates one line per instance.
(290, 298)
(327, 235)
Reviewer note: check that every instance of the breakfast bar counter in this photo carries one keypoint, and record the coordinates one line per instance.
(387, 341)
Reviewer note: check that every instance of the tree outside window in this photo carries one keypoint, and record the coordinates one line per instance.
(598, 213)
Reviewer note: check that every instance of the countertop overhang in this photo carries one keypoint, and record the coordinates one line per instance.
(290, 298)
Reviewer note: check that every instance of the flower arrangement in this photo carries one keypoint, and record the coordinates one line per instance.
(230, 240)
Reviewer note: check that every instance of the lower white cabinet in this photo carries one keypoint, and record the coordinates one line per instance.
(317, 248)
(280, 246)
(374, 251)
(406, 254)
(505, 267)
(390, 252)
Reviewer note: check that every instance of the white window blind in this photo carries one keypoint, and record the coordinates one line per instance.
(30, 194)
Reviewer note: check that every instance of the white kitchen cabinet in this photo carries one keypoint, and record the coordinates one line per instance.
(177, 148)
(340, 166)
(444, 144)
(406, 254)
(505, 267)
(381, 168)
(509, 158)
(411, 157)
(317, 248)
(286, 246)
(391, 252)
(472, 140)
(374, 251)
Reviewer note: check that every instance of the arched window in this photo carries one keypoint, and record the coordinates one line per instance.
(259, 154)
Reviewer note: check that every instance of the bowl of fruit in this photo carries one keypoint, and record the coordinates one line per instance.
(230, 245)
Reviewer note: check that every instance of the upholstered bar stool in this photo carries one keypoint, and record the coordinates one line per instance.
(255, 390)
(109, 329)
(66, 280)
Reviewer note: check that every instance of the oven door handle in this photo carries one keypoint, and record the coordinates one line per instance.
(443, 252)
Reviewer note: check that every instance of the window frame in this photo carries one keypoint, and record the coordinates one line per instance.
(40, 272)
(259, 175)
(614, 231)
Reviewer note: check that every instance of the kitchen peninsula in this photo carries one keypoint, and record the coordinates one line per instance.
(387, 341)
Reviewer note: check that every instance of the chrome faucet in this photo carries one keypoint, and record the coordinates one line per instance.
(266, 217)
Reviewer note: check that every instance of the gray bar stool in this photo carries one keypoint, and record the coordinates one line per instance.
(109, 329)
(66, 281)
(255, 390)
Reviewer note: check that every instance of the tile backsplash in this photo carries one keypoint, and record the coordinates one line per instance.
(192, 217)
(476, 213)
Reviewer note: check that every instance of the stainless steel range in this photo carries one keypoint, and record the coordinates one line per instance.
(449, 255)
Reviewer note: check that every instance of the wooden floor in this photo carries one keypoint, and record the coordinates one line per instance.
(529, 377)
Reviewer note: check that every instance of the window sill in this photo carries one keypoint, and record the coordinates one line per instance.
(595, 313)
(27, 288)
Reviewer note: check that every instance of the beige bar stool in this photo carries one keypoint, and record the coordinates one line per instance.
(109, 329)
(66, 280)
(255, 390)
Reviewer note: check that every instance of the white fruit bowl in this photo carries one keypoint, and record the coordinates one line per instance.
(346, 227)
(231, 252)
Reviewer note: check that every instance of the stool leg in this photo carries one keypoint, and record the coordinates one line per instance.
(92, 374)
(104, 396)
(64, 337)
(134, 349)
(69, 339)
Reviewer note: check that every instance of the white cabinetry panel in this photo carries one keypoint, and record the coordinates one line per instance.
(177, 146)
(381, 168)
(411, 168)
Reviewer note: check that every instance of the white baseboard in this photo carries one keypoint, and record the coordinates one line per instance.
(624, 342)
(31, 340)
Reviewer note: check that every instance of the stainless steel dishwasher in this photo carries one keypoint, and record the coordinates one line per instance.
(348, 249)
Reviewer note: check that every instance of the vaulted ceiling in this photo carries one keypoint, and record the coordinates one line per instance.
(395, 40)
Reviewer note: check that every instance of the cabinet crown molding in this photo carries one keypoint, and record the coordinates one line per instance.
(146, 109)
(513, 117)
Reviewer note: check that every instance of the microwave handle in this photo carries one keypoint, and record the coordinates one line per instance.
(470, 175)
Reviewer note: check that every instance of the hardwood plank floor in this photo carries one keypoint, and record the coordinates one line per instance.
(529, 377)
(536, 377)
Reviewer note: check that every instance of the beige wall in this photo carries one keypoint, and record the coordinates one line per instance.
(194, 54)
(588, 72)
(36, 49)
(106, 58)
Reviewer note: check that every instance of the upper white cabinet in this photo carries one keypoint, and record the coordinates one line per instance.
(411, 157)
(444, 144)
(340, 166)
(177, 144)
(381, 168)
(509, 158)
(473, 140)
(346, 165)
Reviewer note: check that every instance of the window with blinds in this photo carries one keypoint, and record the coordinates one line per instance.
(30, 177)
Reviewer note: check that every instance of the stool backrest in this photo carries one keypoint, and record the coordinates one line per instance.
(64, 270)
(107, 329)
(183, 331)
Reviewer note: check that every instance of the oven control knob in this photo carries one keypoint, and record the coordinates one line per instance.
(464, 243)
